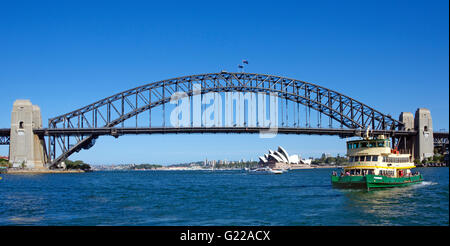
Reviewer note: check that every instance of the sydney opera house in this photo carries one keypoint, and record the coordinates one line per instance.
(280, 159)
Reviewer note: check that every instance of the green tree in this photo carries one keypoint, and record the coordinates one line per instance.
(4, 163)
(77, 165)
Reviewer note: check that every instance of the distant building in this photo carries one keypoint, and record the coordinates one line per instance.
(326, 155)
(281, 159)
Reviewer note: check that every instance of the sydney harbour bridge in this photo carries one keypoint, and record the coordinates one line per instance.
(240, 105)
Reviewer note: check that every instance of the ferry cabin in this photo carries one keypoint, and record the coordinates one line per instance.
(374, 156)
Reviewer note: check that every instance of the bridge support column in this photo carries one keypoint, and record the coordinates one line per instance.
(406, 144)
(26, 148)
(424, 142)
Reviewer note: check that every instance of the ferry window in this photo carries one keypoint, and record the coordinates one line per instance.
(355, 145)
(380, 144)
(372, 144)
(374, 158)
(364, 145)
(349, 146)
(368, 158)
(351, 159)
(384, 159)
(356, 158)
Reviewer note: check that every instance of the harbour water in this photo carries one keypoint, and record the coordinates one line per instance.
(185, 198)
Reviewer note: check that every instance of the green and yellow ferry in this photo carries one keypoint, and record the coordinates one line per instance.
(374, 164)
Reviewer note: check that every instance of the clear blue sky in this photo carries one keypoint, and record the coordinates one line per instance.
(62, 55)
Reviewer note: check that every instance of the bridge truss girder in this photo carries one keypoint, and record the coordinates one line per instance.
(4, 140)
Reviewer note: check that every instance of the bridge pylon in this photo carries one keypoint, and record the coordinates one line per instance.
(420, 146)
(26, 149)
(424, 144)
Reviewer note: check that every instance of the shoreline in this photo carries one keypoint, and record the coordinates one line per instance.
(41, 171)
(315, 167)
(221, 169)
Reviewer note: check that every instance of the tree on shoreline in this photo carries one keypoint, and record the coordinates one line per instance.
(4, 163)
(145, 166)
(77, 165)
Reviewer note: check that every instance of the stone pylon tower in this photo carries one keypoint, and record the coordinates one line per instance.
(26, 148)
(406, 145)
(420, 146)
(424, 145)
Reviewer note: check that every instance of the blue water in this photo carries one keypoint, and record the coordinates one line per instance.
(300, 197)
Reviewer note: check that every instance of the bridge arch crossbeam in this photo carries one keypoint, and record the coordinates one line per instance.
(125, 105)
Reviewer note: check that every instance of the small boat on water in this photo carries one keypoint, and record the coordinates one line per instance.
(266, 170)
(374, 164)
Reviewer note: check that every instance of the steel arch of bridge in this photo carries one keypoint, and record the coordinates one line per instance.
(116, 109)
(4, 140)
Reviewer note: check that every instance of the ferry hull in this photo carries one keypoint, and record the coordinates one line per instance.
(373, 181)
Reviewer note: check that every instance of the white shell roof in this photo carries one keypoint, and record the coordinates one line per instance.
(286, 160)
(284, 152)
(275, 157)
(281, 155)
(261, 158)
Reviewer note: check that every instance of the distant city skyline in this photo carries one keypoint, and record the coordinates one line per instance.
(63, 55)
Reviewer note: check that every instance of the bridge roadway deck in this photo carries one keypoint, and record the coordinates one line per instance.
(4, 132)
(242, 130)
(342, 132)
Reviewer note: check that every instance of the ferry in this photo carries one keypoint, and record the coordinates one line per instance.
(374, 164)
(266, 170)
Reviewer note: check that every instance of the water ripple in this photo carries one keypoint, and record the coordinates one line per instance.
(303, 197)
